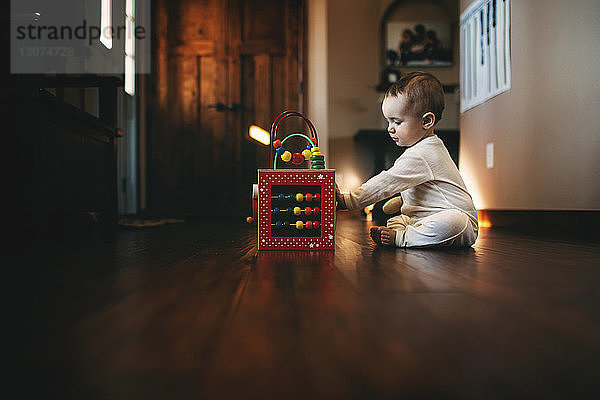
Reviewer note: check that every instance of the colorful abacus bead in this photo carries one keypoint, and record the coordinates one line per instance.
(286, 156)
(314, 149)
(316, 224)
(317, 210)
(314, 140)
(317, 161)
(286, 224)
(310, 146)
(309, 225)
(297, 159)
(316, 197)
(277, 143)
(281, 196)
(299, 224)
(276, 210)
(279, 150)
(299, 197)
(278, 224)
(317, 157)
(306, 153)
(308, 197)
(297, 211)
(307, 211)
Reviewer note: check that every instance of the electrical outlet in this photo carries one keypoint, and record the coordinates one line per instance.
(489, 155)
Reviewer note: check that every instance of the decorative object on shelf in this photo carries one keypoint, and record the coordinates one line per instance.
(418, 43)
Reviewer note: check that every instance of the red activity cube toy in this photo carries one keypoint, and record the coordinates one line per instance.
(296, 207)
(279, 226)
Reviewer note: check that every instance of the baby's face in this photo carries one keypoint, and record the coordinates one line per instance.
(404, 128)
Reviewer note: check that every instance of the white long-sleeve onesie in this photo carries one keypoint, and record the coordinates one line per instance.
(436, 209)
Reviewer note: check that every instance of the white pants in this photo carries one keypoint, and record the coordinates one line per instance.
(445, 228)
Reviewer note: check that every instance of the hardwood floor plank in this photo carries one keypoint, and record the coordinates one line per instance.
(194, 311)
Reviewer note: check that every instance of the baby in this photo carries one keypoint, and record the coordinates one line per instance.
(436, 209)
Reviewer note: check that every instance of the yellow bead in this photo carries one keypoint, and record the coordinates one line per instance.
(315, 148)
(286, 156)
(299, 197)
(306, 153)
(297, 211)
(318, 153)
(299, 224)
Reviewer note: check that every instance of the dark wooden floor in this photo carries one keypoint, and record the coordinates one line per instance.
(189, 311)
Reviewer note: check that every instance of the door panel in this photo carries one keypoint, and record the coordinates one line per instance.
(208, 55)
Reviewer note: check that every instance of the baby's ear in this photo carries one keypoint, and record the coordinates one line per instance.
(428, 120)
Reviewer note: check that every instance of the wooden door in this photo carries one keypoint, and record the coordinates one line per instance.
(218, 68)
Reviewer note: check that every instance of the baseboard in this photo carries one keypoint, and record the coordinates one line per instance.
(584, 222)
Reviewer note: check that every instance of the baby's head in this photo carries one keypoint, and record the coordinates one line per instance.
(412, 106)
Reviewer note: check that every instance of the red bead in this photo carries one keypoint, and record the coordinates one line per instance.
(316, 197)
(307, 211)
(297, 158)
(314, 140)
(277, 143)
(308, 197)
(249, 220)
(317, 210)
(308, 225)
(315, 224)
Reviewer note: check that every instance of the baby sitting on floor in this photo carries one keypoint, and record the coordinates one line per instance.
(436, 209)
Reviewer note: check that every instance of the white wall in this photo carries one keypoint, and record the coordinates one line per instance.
(546, 129)
(317, 77)
(353, 28)
(344, 65)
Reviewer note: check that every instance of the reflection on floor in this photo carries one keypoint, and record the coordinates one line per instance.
(192, 311)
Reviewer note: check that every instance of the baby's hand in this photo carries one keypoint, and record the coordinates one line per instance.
(341, 203)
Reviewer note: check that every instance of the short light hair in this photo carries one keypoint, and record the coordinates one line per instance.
(423, 92)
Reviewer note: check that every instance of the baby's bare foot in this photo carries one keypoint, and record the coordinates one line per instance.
(376, 233)
(388, 236)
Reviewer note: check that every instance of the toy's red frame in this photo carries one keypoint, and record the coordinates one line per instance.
(324, 178)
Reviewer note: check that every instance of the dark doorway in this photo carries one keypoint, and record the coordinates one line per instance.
(218, 68)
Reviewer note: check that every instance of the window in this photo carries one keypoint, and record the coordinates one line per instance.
(484, 51)
(106, 23)
(130, 47)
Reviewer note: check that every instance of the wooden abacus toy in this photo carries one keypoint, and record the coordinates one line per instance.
(296, 207)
